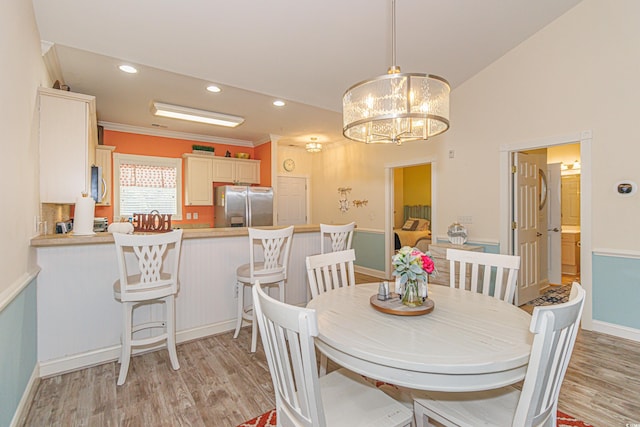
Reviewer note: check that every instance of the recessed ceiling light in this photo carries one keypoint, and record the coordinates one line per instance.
(128, 69)
(278, 103)
(214, 89)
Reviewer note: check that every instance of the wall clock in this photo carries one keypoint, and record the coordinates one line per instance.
(289, 165)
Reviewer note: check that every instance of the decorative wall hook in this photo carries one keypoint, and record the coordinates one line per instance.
(360, 203)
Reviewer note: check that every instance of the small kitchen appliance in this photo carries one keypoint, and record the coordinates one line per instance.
(100, 224)
(63, 227)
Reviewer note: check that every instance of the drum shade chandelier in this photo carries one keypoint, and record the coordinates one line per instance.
(396, 107)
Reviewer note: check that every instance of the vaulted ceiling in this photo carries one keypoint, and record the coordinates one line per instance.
(304, 52)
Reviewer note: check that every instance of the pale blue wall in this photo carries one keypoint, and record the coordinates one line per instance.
(18, 350)
(612, 278)
(369, 248)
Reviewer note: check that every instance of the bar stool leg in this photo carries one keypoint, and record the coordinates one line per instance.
(281, 291)
(240, 310)
(125, 356)
(171, 331)
(254, 332)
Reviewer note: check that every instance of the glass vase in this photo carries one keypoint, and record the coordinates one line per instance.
(411, 296)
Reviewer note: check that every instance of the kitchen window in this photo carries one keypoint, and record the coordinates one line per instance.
(146, 183)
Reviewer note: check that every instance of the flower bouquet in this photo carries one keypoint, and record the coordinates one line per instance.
(411, 268)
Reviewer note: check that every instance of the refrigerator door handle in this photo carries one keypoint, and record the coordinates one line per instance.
(248, 210)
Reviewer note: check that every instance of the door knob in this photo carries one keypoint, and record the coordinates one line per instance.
(553, 229)
(538, 234)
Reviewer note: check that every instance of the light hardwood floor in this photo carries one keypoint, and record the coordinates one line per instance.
(221, 384)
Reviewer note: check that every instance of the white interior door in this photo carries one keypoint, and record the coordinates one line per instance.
(525, 230)
(554, 223)
(292, 200)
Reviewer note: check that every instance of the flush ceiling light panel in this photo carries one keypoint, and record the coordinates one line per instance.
(195, 115)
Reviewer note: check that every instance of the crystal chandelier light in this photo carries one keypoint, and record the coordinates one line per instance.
(313, 146)
(396, 107)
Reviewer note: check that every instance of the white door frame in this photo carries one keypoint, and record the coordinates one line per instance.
(584, 138)
(389, 204)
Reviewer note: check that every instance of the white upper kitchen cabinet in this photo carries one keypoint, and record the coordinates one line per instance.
(247, 171)
(198, 181)
(104, 160)
(202, 170)
(236, 171)
(68, 137)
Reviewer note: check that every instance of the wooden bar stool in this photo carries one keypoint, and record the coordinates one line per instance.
(269, 266)
(149, 276)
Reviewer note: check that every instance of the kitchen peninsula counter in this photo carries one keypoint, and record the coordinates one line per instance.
(79, 321)
(188, 233)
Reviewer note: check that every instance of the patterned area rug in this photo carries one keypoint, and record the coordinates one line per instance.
(268, 419)
(555, 295)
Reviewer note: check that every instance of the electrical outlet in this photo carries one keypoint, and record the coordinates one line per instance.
(188, 215)
(195, 215)
(452, 154)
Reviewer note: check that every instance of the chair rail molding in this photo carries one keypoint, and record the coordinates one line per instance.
(16, 287)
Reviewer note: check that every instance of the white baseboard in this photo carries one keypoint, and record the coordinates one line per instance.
(616, 330)
(108, 354)
(368, 271)
(20, 416)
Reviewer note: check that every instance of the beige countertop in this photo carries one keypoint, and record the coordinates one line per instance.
(196, 233)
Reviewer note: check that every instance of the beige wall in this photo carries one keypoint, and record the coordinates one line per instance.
(578, 73)
(22, 71)
(574, 75)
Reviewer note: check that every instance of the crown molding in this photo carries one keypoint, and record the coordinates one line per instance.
(173, 134)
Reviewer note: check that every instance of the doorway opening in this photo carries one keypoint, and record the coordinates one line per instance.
(517, 214)
(410, 194)
(546, 206)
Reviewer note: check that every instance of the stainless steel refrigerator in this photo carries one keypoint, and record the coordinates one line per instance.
(243, 206)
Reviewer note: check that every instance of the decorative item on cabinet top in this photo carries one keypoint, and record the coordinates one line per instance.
(203, 149)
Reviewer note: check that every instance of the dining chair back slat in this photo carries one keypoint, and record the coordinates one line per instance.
(481, 266)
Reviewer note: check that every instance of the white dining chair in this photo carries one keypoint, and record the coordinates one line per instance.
(341, 398)
(480, 266)
(150, 276)
(555, 328)
(269, 264)
(341, 237)
(330, 271)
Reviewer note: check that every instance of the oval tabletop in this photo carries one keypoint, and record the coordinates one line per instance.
(468, 342)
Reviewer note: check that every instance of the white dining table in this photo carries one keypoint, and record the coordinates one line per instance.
(469, 342)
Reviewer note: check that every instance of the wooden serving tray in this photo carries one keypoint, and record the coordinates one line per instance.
(394, 306)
